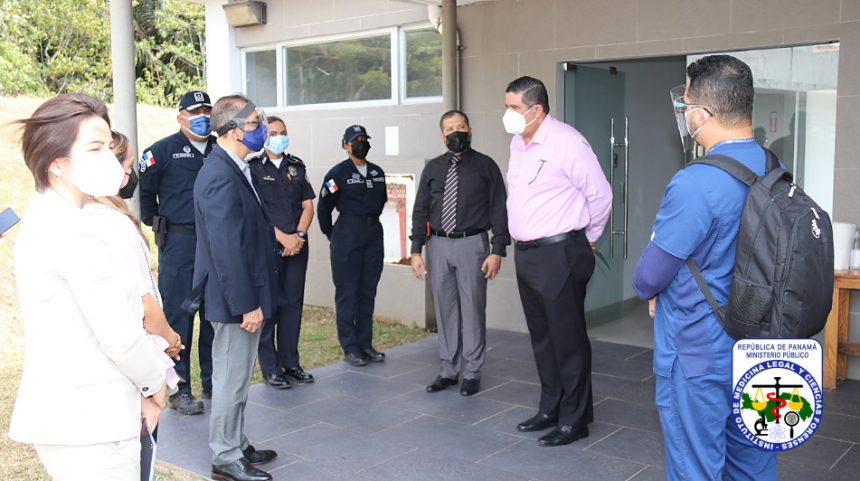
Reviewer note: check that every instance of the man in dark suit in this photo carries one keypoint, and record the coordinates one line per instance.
(235, 270)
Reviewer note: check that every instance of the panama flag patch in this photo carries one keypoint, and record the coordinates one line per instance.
(148, 160)
(331, 186)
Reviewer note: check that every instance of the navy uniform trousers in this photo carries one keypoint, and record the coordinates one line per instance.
(285, 325)
(357, 254)
(175, 270)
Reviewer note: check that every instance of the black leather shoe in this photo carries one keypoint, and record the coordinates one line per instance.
(298, 375)
(440, 384)
(277, 381)
(372, 355)
(207, 393)
(470, 387)
(563, 434)
(241, 470)
(354, 359)
(185, 403)
(538, 422)
(261, 456)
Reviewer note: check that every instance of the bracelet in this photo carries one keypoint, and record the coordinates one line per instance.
(173, 350)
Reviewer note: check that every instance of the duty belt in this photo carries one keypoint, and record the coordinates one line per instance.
(533, 244)
(456, 234)
(181, 229)
(369, 220)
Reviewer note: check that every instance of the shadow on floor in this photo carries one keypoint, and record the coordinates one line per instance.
(378, 423)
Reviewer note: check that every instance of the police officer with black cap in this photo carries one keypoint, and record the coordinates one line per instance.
(356, 188)
(168, 169)
(282, 183)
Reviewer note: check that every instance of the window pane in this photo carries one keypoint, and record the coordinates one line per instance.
(423, 63)
(342, 71)
(260, 78)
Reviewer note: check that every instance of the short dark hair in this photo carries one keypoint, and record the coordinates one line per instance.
(725, 85)
(533, 90)
(52, 129)
(453, 113)
(274, 118)
(225, 109)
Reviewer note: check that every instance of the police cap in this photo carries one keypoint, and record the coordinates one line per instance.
(194, 100)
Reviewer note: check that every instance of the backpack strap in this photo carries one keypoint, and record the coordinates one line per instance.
(771, 161)
(700, 280)
(730, 166)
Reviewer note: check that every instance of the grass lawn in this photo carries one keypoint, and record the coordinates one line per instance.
(318, 344)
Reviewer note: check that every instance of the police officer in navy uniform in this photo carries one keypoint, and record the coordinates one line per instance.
(356, 188)
(168, 169)
(281, 180)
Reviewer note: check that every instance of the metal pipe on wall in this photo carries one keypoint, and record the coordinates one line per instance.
(124, 95)
(450, 54)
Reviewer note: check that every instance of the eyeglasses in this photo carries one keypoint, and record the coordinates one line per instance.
(677, 95)
(246, 125)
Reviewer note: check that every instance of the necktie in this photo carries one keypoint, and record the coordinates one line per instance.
(449, 200)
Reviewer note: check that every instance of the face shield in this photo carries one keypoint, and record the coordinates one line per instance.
(682, 111)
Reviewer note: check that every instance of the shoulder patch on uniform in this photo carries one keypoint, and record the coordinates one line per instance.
(331, 185)
(147, 160)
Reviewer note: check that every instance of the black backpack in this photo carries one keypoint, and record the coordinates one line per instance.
(782, 284)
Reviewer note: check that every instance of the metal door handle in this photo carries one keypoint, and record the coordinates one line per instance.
(624, 187)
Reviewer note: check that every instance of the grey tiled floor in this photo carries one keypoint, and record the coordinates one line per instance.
(378, 423)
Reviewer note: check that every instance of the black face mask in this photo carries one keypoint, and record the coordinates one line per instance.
(127, 192)
(458, 142)
(360, 149)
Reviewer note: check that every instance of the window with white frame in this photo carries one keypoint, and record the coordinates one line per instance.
(261, 73)
(381, 67)
(422, 63)
(348, 70)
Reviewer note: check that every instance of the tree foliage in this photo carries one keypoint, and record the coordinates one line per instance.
(55, 46)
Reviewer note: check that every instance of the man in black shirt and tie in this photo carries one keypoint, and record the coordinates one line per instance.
(460, 197)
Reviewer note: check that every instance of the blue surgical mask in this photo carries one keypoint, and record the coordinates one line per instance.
(201, 125)
(255, 139)
(277, 144)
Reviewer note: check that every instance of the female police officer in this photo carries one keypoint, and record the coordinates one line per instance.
(356, 188)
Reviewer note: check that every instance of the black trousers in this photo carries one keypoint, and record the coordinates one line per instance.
(552, 281)
(279, 341)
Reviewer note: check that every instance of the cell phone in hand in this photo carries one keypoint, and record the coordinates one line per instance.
(8, 218)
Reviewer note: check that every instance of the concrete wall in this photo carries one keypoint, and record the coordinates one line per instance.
(507, 38)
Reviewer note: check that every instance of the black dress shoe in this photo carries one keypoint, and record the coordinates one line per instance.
(207, 393)
(470, 387)
(298, 375)
(241, 470)
(563, 434)
(185, 403)
(354, 359)
(538, 422)
(261, 456)
(277, 381)
(372, 355)
(441, 383)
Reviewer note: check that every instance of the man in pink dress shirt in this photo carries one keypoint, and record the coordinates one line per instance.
(558, 204)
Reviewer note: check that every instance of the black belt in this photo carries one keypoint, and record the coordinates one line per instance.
(520, 246)
(181, 229)
(456, 234)
(369, 220)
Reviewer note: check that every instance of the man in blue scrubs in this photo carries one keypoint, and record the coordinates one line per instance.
(699, 218)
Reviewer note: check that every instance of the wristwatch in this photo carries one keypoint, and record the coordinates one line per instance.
(302, 234)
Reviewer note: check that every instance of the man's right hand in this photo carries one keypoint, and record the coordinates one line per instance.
(418, 267)
(251, 321)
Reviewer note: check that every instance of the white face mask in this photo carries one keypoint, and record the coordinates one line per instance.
(515, 122)
(97, 174)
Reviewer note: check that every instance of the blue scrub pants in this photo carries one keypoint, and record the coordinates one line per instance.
(175, 270)
(701, 440)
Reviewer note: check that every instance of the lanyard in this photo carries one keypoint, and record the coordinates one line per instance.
(732, 141)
